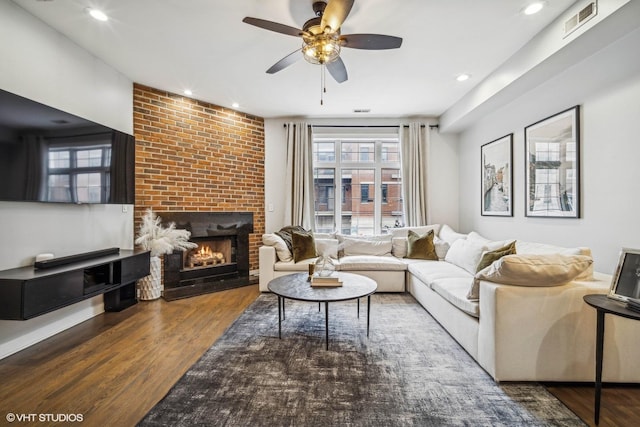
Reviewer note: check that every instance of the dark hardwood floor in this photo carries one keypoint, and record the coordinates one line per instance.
(114, 368)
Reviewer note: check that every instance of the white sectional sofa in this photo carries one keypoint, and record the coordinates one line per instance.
(537, 328)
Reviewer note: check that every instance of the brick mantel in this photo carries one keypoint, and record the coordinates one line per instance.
(195, 156)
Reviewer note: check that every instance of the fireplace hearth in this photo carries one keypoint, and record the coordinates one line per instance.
(221, 260)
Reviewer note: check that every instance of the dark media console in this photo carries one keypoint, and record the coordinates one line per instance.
(28, 292)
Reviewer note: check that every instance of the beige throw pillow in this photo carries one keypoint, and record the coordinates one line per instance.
(534, 270)
(283, 252)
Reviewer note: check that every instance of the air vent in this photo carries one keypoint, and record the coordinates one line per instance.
(362, 110)
(580, 18)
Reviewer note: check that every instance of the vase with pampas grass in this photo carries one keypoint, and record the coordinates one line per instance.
(159, 240)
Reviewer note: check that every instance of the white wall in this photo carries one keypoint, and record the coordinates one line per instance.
(443, 168)
(607, 87)
(41, 64)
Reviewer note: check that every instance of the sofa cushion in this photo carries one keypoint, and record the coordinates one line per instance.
(449, 235)
(430, 271)
(324, 236)
(535, 270)
(455, 291)
(465, 254)
(371, 263)
(302, 266)
(326, 246)
(304, 245)
(283, 252)
(491, 245)
(442, 247)
(421, 247)
(543, 248)
(364, 246)
(399, 247)
(421, 230)
(489, 257)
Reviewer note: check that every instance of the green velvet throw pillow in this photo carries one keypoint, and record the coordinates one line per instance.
(489, 257)
(304, 246)
(421, 247)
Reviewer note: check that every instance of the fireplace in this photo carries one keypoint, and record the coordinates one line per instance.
(221, 260)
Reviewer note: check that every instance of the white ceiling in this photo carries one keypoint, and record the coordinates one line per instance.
(203, 45)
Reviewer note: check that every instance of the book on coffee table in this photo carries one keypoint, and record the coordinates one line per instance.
(327, 281)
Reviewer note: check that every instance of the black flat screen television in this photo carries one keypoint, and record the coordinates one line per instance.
(47, 155)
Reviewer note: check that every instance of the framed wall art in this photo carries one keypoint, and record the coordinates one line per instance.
(626, 279)
(497, 177)
(552, 167)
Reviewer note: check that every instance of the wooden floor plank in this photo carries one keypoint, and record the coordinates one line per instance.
(114, 368)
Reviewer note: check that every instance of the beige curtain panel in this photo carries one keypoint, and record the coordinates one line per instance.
(414, 151)
(299, 178)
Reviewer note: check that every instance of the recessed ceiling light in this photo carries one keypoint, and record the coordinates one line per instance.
(463, 77)
(97, 14)
(235, 105)
(188, 92)
(533, 8)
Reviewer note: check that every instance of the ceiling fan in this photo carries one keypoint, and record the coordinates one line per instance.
(321, 38)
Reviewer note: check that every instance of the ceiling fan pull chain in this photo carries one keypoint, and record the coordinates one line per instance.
(323, 89)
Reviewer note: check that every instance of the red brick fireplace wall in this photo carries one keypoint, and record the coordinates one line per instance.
(195, 156)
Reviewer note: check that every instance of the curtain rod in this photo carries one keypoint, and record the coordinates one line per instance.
(365, 126)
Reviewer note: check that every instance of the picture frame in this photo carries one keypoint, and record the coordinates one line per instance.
(625, 283)
(496, 197)
(552, 166)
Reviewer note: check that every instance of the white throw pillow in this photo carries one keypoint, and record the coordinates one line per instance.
(491, 244)
(327, 247)
(361, 246)
(535, 270)
(324, 235)
(449, 235)
(442, 247)
(465, 254)
(283, 252)
(399, 247)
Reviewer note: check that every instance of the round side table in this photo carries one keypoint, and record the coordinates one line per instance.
(604, 305)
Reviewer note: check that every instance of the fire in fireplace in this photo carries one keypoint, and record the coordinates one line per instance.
(221, 260)
(208, 253)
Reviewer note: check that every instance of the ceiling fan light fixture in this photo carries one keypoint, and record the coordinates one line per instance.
(321, 49)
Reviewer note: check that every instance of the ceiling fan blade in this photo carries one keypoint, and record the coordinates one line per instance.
(285, 62)
(273, 26)
(335, 13)
(337, 70)
(370, 41)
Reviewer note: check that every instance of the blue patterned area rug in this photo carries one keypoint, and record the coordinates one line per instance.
(409, 372)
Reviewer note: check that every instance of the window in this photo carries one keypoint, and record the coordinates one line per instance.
(364, 193)
(78, 174)
(370, 186)
(547, 152)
